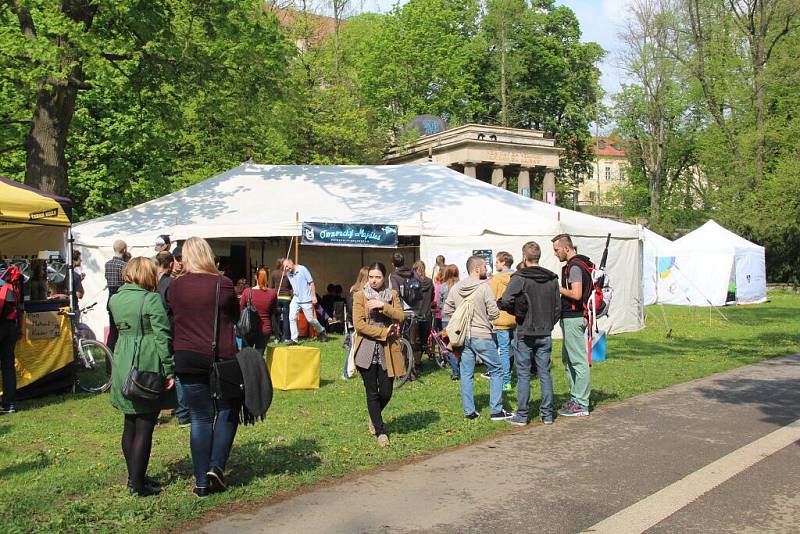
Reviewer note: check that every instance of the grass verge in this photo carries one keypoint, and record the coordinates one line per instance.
(61, 467)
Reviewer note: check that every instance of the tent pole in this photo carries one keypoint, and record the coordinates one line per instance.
(297, 239)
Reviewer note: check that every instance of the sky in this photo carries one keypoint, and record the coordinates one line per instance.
(600, 22)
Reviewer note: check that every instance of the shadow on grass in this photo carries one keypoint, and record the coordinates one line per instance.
(252, 460)
(413, 422)
(678, 346)
(19, 468)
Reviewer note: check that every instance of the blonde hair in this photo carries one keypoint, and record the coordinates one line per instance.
(198, 257)
(142, 272)
(419, 269)
(361, 280)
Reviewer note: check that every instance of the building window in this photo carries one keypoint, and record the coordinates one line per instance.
(592, 196)
(608, 173)
(622, 175)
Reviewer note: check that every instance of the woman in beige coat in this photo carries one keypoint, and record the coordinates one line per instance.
(377, 314)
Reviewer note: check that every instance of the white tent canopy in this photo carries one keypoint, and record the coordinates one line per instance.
(654, 246)
(447, 210)
(705, 263)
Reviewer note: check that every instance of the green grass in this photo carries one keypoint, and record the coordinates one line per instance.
(61, 467)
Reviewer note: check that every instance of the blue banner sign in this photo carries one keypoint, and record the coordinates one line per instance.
(349, 235)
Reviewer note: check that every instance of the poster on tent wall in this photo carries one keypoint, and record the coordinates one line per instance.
(349, 235)
(691, 280)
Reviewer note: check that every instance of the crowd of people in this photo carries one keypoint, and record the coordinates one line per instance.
(175, 314)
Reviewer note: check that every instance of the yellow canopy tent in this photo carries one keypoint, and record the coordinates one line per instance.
(32, 221)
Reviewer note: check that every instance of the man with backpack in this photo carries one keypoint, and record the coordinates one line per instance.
(576, 286)
(472, 308)
(533, 297)
(408, 287)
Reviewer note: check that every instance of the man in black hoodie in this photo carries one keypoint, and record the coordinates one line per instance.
(533, 297)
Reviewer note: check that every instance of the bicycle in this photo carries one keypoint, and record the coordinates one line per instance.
(408, 354)
(93, 359)
(436, 348)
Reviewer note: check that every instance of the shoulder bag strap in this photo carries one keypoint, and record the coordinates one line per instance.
(250, 298)
(216, 322)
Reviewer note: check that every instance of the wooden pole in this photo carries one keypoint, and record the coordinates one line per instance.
(297, 239)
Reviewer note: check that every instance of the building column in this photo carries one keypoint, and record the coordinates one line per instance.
(497, 176)
(549, 185)
(471, 169)
(524, 182)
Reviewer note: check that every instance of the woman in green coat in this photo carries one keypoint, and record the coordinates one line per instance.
(144, 328)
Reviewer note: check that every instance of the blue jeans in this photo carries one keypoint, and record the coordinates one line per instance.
(504, 340)
(538, 347)
(211, 439)
(182, 410)
(487, 350)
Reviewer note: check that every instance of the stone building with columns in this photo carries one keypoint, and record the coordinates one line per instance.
(493, 154)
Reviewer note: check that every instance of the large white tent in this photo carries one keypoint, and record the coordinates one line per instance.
(704, 264)
(654, 246)
(451, 214)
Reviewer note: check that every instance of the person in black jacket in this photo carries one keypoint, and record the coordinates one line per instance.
(533, 297)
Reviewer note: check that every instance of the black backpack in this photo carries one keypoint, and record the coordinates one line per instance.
(411, 291)
(249, 324)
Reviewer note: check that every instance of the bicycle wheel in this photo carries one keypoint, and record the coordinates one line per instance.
(440, 354)
(94, 366)
(408, 356)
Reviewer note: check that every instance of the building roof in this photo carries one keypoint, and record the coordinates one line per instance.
(319, 27)
(609, 146)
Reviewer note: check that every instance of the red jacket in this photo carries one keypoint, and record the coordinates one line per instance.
(264, 300)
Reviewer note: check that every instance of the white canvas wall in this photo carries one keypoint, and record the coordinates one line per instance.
(623, 267)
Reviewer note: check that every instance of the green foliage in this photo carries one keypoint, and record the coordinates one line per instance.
(735, 126)
(174, 91)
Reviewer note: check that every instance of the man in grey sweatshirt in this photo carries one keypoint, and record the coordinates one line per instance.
(479, 340)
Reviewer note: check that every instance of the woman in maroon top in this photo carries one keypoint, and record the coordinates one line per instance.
(191, 301)
(264, 299)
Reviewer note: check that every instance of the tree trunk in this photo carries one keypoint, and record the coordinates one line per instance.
(503, 77)
(46, 164)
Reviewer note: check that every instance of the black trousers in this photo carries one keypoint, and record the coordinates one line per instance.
(8, 340)
(137, 440)
(378, 386)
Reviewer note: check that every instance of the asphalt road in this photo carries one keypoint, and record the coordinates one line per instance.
(720, 454)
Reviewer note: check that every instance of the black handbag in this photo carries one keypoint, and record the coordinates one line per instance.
(142, 385)
(226, 375)
(249, 324)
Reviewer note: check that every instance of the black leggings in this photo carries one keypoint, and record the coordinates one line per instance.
(137, 439)
(379, 392)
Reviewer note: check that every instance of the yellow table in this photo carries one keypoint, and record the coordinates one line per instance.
(294, 367)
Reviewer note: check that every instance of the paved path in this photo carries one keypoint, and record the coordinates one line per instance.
(714, 455)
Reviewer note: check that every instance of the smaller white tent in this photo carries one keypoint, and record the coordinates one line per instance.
(705, 263)
(654, 246)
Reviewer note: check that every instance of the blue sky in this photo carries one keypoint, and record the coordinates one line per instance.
(600, 22)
